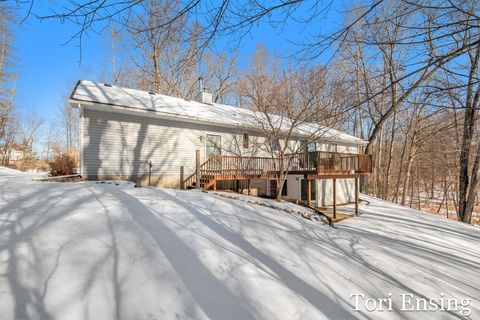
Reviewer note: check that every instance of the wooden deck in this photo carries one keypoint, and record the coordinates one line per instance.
(314, 165)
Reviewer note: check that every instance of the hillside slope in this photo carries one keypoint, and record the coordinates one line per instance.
(110, 251)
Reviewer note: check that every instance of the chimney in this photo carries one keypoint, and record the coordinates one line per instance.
(203, 96)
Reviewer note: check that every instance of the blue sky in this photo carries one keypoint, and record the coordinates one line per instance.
(48, 67)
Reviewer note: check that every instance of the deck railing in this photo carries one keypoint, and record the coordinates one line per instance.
(312, 163)
(323, 162)
(232, 166)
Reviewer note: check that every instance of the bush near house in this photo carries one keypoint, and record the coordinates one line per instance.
(62, 165)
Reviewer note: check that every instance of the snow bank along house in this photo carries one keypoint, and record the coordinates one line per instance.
(177, 143)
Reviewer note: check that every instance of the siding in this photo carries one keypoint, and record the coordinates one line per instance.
(123, 145)
(345, 191)
(324, 190)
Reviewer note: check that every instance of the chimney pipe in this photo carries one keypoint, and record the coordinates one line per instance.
(203, 96)
(200, 84)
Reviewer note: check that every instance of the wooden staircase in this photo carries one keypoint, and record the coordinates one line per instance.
(206, 182)
(218, 168)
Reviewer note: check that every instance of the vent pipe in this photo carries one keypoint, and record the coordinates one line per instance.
(200, 84)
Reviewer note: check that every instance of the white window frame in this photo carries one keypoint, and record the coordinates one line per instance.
(205, 144)
(276, 142)
(334, 147)
(246, 138)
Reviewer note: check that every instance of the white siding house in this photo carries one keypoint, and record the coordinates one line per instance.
(123, 131)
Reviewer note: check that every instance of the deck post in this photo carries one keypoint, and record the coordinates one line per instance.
(334, 198)
(356, 196)
(197, 169)
(309, 191)
(182, 178)
(248, 186)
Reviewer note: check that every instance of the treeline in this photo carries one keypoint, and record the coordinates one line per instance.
(27, 141)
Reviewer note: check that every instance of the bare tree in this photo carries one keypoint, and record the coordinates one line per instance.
(469, 157)
(69, 120)
(50, 139)
(166, 58)
(221, 75)
(30, 124)
(287, 106)
(8, 129)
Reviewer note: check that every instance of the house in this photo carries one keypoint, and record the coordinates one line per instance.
(12, 153)
(172, 142)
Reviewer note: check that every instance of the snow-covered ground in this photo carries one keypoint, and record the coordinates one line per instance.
(91, 250)
(286, 206)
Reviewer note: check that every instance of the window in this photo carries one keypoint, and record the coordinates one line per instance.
(246, 136)
(334, 147)
(275, 145)
(303, 145)
(312, 147)
(213, 145)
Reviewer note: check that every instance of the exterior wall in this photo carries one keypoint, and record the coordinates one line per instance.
(16, 155)
(121, 146)
(341, 147)
(293, 187)
(324, 190)
(345, 187)
(345, 191)
(163, 181)
(11, 155)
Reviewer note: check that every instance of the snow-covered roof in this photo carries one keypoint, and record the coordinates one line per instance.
(219, 114)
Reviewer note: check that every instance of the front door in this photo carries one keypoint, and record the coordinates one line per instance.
(213, 145)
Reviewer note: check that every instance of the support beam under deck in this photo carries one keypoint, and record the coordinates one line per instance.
(356, 196)
(309, 192)
(334, 198)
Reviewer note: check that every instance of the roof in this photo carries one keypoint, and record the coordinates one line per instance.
(220, 114)
(16, 147)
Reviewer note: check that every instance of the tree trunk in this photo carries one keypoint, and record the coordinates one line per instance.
(407, 175)
(389, 158)
(378, 185)
(400, 170)
(470, 201)
(467, 182)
